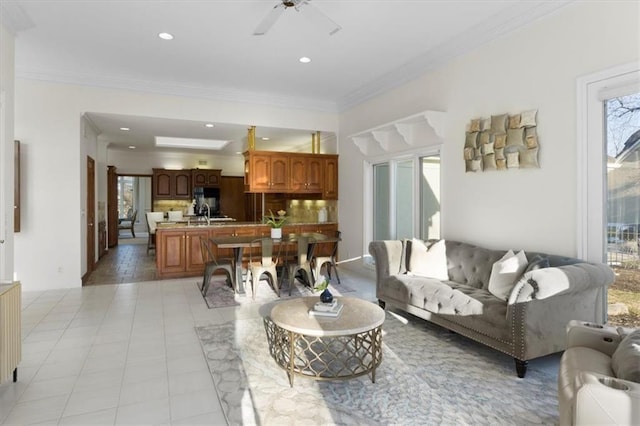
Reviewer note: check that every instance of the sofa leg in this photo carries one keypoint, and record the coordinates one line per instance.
(381, 303)
(521, 367)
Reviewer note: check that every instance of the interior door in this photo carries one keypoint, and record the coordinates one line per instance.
(91, 213)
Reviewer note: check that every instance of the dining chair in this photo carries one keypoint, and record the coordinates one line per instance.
(211, 265)
(318, 261)
(264, 265)
(152, 219)
(300, 264)
(129, 223)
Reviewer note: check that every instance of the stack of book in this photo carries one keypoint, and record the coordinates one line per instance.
(331, 309)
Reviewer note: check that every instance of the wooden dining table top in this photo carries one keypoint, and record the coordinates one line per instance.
(246, 240)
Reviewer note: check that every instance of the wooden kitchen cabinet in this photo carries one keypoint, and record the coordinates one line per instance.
(330, 178)
(266, 171)
(178, 252)
(306, 173)
(291, 173)
(171, 184)
(206, 178)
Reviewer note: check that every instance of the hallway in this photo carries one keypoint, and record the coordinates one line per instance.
(127, 262)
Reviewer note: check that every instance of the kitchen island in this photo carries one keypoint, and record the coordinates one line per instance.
(178, 244)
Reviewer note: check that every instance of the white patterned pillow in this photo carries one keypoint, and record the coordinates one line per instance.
(505, 272)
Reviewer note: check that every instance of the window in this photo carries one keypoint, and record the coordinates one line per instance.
(406, 198)
(623, 179)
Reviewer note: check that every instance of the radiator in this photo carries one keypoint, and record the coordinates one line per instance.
(10, 330)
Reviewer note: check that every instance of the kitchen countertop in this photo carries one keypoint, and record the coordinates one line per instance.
(213, 224)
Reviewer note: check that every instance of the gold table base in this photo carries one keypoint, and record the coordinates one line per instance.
(325, 358)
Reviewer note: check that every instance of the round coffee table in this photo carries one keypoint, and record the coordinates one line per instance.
(325, 348)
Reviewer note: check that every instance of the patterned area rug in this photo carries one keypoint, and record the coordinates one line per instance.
(221, 295)
(427, 376)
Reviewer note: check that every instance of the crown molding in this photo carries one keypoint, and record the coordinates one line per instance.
(171, 88)
(499, 25)
(13, 17)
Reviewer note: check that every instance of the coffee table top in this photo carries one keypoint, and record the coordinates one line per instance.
(357, 316)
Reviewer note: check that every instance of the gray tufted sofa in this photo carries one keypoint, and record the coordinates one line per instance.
(530, 324)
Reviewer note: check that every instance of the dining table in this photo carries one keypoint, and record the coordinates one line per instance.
(239, 242)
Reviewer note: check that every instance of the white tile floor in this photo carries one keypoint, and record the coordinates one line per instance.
(120, 354)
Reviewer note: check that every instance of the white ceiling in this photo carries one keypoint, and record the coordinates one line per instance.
(215, 55)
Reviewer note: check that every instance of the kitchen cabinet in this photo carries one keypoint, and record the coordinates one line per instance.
(266, 172)
(178, 252)
(291, 173)
(234, 231)
(330, 180)
(171, 184)
(206, 178)
(306, 173)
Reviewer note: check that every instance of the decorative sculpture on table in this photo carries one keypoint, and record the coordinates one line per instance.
(502, 142)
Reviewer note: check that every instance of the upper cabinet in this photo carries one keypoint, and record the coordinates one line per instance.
(291, 173)
(306, 173)
(330, 181)
(266, 171)
(206, 178)
(171, 184)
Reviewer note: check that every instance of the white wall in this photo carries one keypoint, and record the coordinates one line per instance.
(6, 153)
(533, 68)
(51, 252)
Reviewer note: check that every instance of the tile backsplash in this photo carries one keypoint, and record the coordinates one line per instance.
(307, 210)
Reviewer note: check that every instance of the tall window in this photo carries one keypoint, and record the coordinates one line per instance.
(623, 180)
(406, 198)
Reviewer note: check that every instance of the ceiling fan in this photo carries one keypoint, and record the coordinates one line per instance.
(304, 6)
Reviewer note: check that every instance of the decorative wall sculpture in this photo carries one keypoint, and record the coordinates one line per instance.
(502, 142)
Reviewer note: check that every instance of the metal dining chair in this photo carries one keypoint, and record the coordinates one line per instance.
(330, 261)
(300, 264)
(265, 264)
(211, 265)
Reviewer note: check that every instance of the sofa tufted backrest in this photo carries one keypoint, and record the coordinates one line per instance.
(471, 265)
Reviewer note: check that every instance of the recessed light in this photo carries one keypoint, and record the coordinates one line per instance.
(305, 60)
(166, 36)
(132, 147)
(209, 125)
(125, 129)
(265, 139)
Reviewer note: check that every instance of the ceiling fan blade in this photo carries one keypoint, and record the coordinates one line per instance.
(318, 17)
(269, 20)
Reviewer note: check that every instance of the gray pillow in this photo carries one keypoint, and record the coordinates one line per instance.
(625, 361)
(538, 262)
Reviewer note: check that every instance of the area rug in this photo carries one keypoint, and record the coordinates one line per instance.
(428, 375)
(221, 295)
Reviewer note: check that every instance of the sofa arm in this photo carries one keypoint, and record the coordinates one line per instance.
(546, 282)
(606, 400)
(388, 256)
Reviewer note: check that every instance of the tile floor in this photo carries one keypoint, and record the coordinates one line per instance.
(120, 354)
(127, 262)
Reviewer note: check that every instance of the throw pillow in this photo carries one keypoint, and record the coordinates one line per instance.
(538, 262)
(505, 272)
(428, 262)
(625, 361)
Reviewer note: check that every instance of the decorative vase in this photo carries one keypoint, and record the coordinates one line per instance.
(276, 233)
(326, 296)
